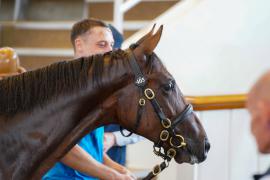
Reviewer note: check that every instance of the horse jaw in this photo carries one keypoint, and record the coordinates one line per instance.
(187, 156)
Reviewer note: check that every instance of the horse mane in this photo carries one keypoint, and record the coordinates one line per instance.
(25, 91)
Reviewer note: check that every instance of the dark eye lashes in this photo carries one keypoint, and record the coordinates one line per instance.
(170, 85)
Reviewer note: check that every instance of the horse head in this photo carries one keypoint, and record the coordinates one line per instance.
(131, 87)
(162, 115)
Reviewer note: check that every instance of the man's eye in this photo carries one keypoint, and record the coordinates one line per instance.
(102, 44)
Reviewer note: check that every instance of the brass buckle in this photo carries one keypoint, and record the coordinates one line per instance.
(141, 102)
(151, 92)
(182, 141)
(156, 170)
(166, 123)
(171, 153)
(164, 135)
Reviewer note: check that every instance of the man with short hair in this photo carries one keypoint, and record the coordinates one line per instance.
(86, 160)
(258, 104)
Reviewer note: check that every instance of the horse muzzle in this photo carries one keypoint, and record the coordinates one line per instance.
(206, 148)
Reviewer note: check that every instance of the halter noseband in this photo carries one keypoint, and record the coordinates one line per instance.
(176, 141)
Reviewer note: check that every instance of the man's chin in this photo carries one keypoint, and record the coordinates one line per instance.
(264, 150)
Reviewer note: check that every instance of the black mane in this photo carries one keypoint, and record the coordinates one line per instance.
(25, 91)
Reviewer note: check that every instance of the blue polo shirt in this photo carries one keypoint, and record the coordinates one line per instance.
(92, 143)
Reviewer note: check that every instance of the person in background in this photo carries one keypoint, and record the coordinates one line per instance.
(258, 105)
(9, 63)
(114, 142)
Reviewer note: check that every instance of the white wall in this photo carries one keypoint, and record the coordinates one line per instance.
(215, 47)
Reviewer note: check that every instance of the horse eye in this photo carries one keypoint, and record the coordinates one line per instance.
(169, 86)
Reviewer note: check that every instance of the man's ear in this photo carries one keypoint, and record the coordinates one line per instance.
(78, 45)
(264, 107)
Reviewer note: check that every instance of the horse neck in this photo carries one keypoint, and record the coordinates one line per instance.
(116, 74)
(60, 122)
(92, 107)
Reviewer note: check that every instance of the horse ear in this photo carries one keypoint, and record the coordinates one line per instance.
(147, 35)
(148, 45)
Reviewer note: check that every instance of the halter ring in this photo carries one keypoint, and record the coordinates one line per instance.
(142, 102)
(164, 135)
(171, 153)
(166, 123)
(182, 141)
(156, 170)
(151, 94)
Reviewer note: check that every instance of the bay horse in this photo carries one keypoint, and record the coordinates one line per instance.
(45, 112)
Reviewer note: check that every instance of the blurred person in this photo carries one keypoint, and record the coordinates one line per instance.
(258, 104)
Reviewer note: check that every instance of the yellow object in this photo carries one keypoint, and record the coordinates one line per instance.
(166, 123)
(171, 153)
(217, 102)
(164, 135)
(156, 170)
(181, 140)
(149, 93)
(9, 61)
(141, 102)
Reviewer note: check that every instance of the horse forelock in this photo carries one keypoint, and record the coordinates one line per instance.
(154, 63)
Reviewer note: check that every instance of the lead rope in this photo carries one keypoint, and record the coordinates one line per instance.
(156, 170)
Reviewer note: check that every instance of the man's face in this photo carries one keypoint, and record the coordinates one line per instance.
(260, 125)
(98, 40)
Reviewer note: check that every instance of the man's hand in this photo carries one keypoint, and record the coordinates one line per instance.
(118, 176)
(129, 173)
(109, 141)
(119, 171)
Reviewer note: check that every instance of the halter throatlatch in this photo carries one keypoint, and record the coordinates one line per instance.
(168, 134)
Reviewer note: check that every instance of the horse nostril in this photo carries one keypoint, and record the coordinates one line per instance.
(206, 145)
(205, 151)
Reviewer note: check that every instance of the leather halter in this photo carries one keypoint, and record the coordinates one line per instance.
(176, 141)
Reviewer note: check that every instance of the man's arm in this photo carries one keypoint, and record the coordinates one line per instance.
(80, 160)
(118, 167)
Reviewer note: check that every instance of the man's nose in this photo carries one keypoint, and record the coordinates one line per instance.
(109, 48)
